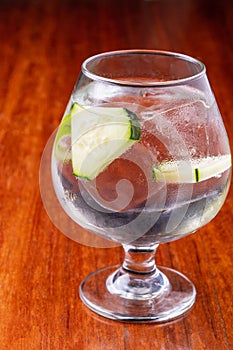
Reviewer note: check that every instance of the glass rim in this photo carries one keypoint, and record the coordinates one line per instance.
(170, 82)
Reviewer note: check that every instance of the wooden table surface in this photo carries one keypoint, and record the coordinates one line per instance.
(42, 45)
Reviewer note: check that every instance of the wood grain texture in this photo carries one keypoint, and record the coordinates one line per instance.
(42, 45)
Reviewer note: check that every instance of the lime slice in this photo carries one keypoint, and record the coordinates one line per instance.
(195, 170)
(99, 135)
(62, 142)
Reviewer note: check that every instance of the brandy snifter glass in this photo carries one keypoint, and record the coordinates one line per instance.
(141, 157)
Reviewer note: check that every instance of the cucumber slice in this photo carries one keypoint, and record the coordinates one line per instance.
(195, 170)
(99, 135)
(62, 144)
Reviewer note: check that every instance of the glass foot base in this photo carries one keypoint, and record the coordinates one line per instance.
(165, 307)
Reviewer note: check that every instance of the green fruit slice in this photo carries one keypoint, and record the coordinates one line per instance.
(62, 144)
(195, 170)
(99, 135)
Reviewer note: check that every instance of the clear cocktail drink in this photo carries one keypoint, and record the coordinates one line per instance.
(169, 183)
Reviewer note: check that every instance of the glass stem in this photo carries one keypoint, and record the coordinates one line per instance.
(139, 260)
(138, 278)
